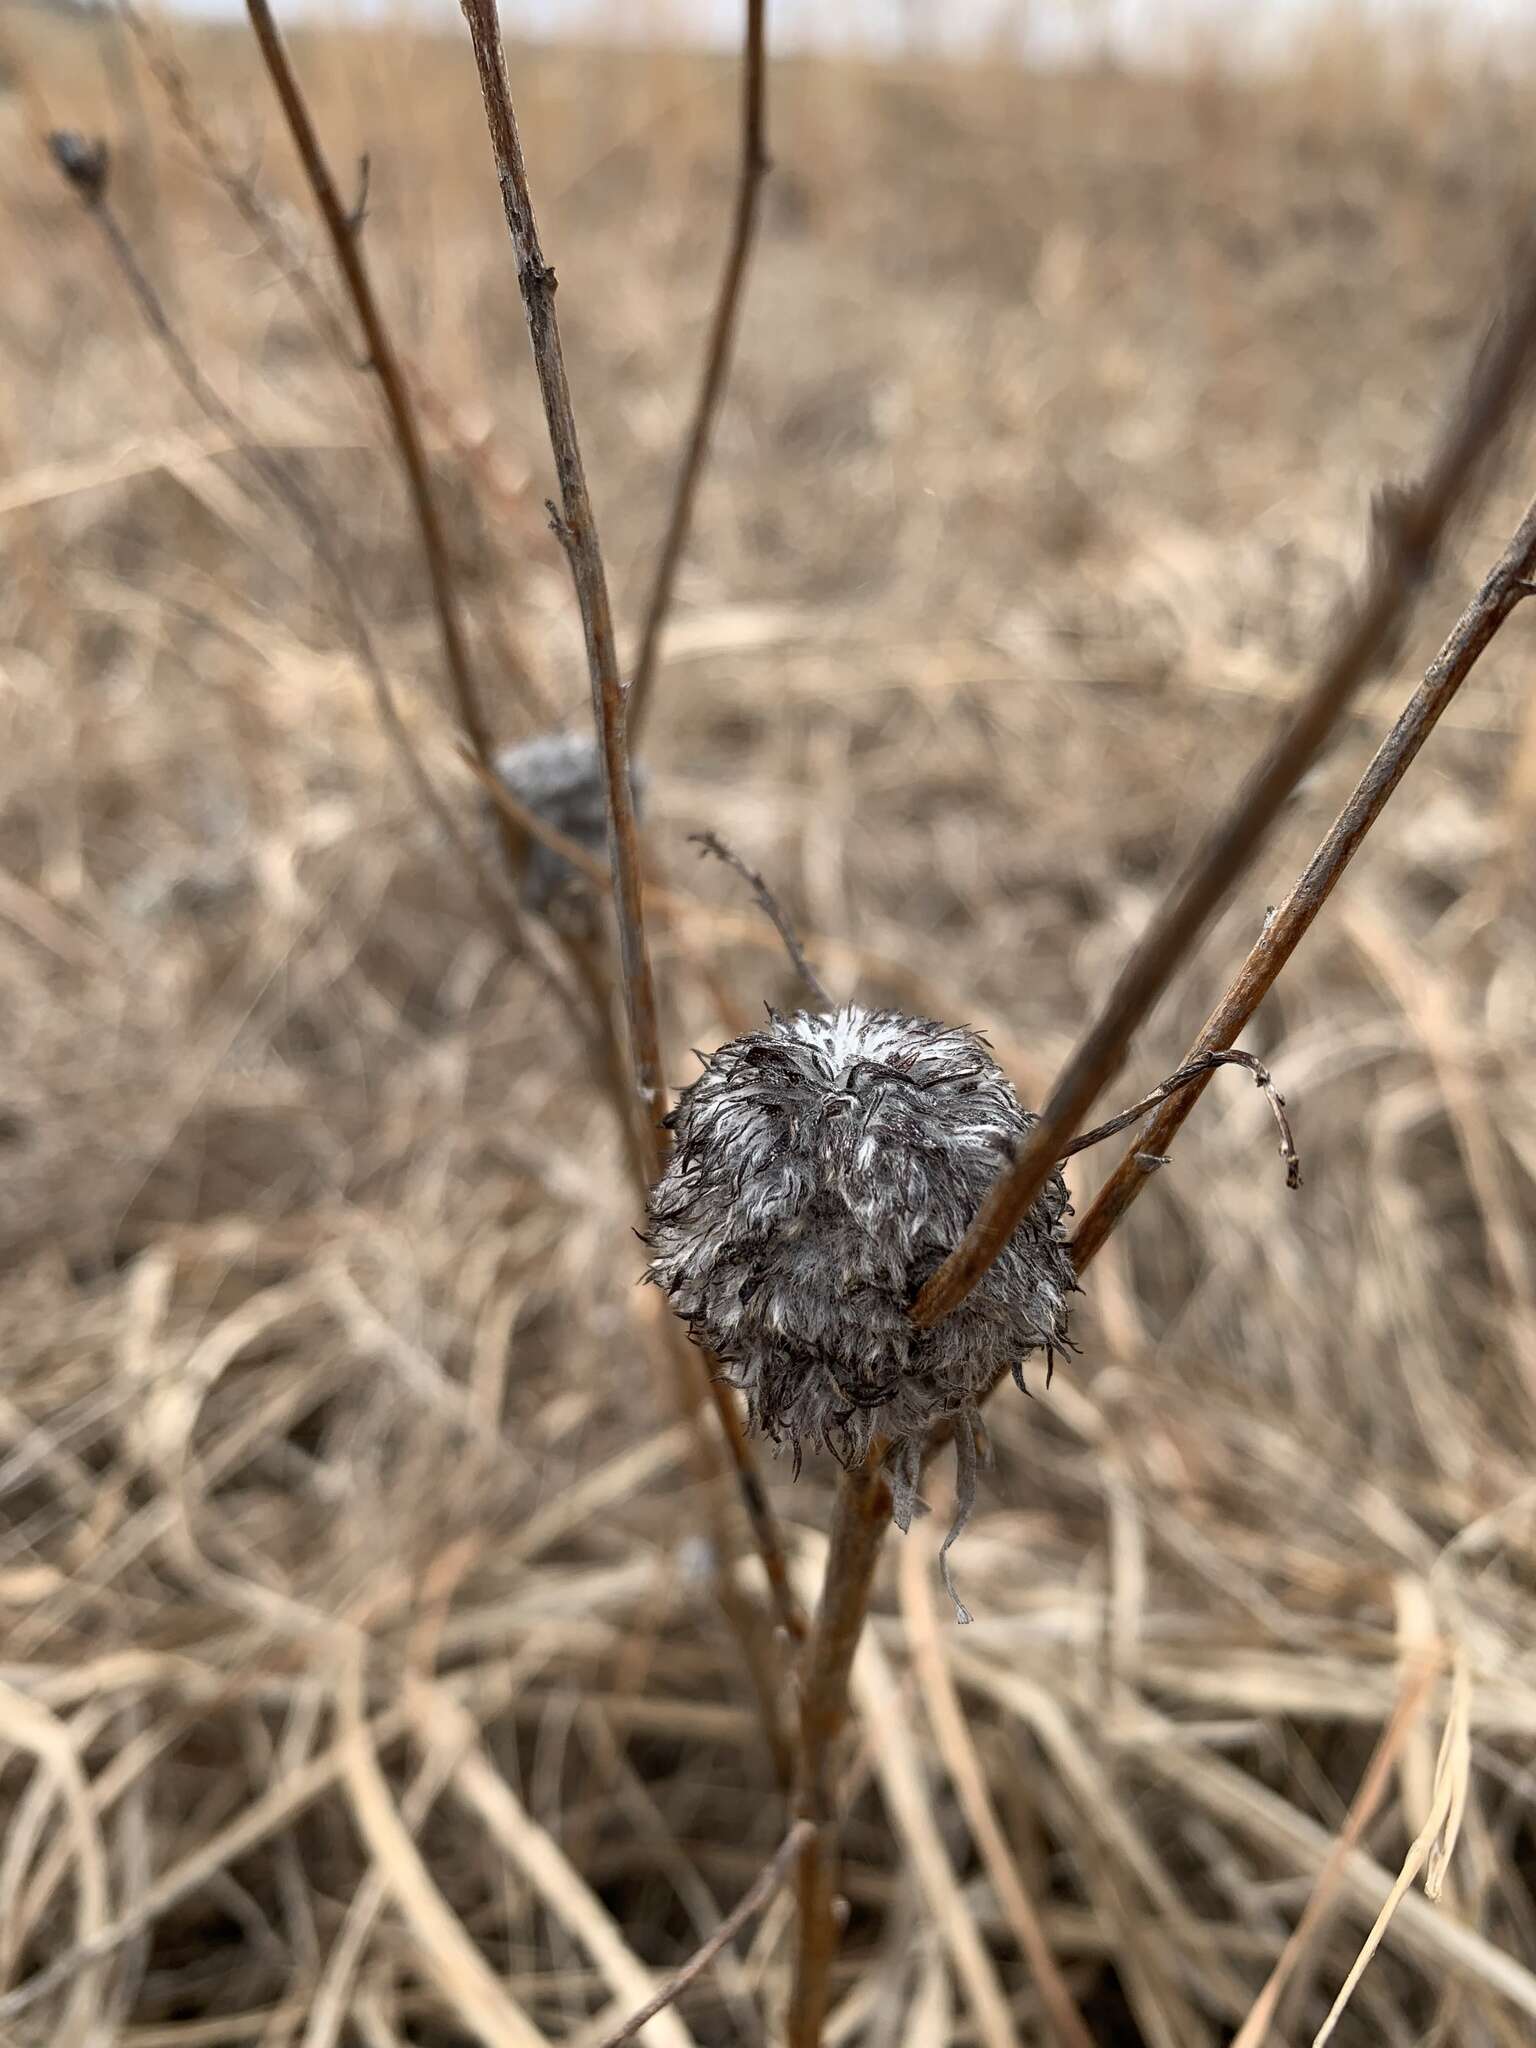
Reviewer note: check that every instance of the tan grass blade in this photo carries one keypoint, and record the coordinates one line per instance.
(463, 1974)
(904, 1782)
(28, 1727)
(541, 1861)
(1434, 1842)
(957, 1746)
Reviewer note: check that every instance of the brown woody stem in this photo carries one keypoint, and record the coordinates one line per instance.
(1409, 527)
(577, 530)
(1502, 589)
(859, 1523)
(717, 359)
(343, 225)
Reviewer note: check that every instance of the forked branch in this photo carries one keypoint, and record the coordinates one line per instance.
(1196, 1072)
(1506, 583)
(1366, 633)
(1409, 527)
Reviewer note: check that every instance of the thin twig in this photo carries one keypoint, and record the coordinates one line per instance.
(1408, 539)
(576, 528)
(170, 75)
(342, 225)
(859, 1522)
(957, 1745)
(747, 1908)
(85, 165)
(711, 842)
(1373, 1788)
(291, 261)
(1409, 526)
(1502, 590)
(755, 164)
(1199, 1067)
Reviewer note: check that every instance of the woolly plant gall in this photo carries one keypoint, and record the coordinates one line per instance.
(822, 1169)
(559, 776)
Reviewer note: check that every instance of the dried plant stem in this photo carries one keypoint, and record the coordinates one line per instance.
(89, 182)
(717, 359)
(1199, 1067)
(941, 1697)
(1502, 589)
(768, 903)
(759, 1509)
(1408, 530)
(587, 954)
(576, 528)
(859, 1522)
(1373, 1788)
(587, 957)
(746, 1908)
(245, 195)
(1407, 542)
(342, 225)
(760, 1513)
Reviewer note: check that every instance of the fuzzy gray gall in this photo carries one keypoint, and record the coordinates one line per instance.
(823, 1168)
(559, 776)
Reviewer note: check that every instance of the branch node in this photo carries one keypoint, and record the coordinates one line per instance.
(84, 160)
(559, 526)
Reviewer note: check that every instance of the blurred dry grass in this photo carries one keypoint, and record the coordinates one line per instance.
(1058, 408)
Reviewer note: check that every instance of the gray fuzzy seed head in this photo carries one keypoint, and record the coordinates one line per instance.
(823, 1168)
(559, 776)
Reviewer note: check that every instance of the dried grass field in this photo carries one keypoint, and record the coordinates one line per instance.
(366, 1675)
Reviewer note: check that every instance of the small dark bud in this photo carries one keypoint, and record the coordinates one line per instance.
(83, 160)
(823, 1169)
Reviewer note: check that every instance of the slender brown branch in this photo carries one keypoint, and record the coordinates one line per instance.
(1409, 527)
(291, 262)
(342, 224)
(170, 75)
(1502, 589)
(1199, 1067)
(85, 165)
(717, 359)
(768, 903)
(747, 1908)
(1369, 627)
(754, 1499)
(859, 1522)
(576, 528)
(765, 1529)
